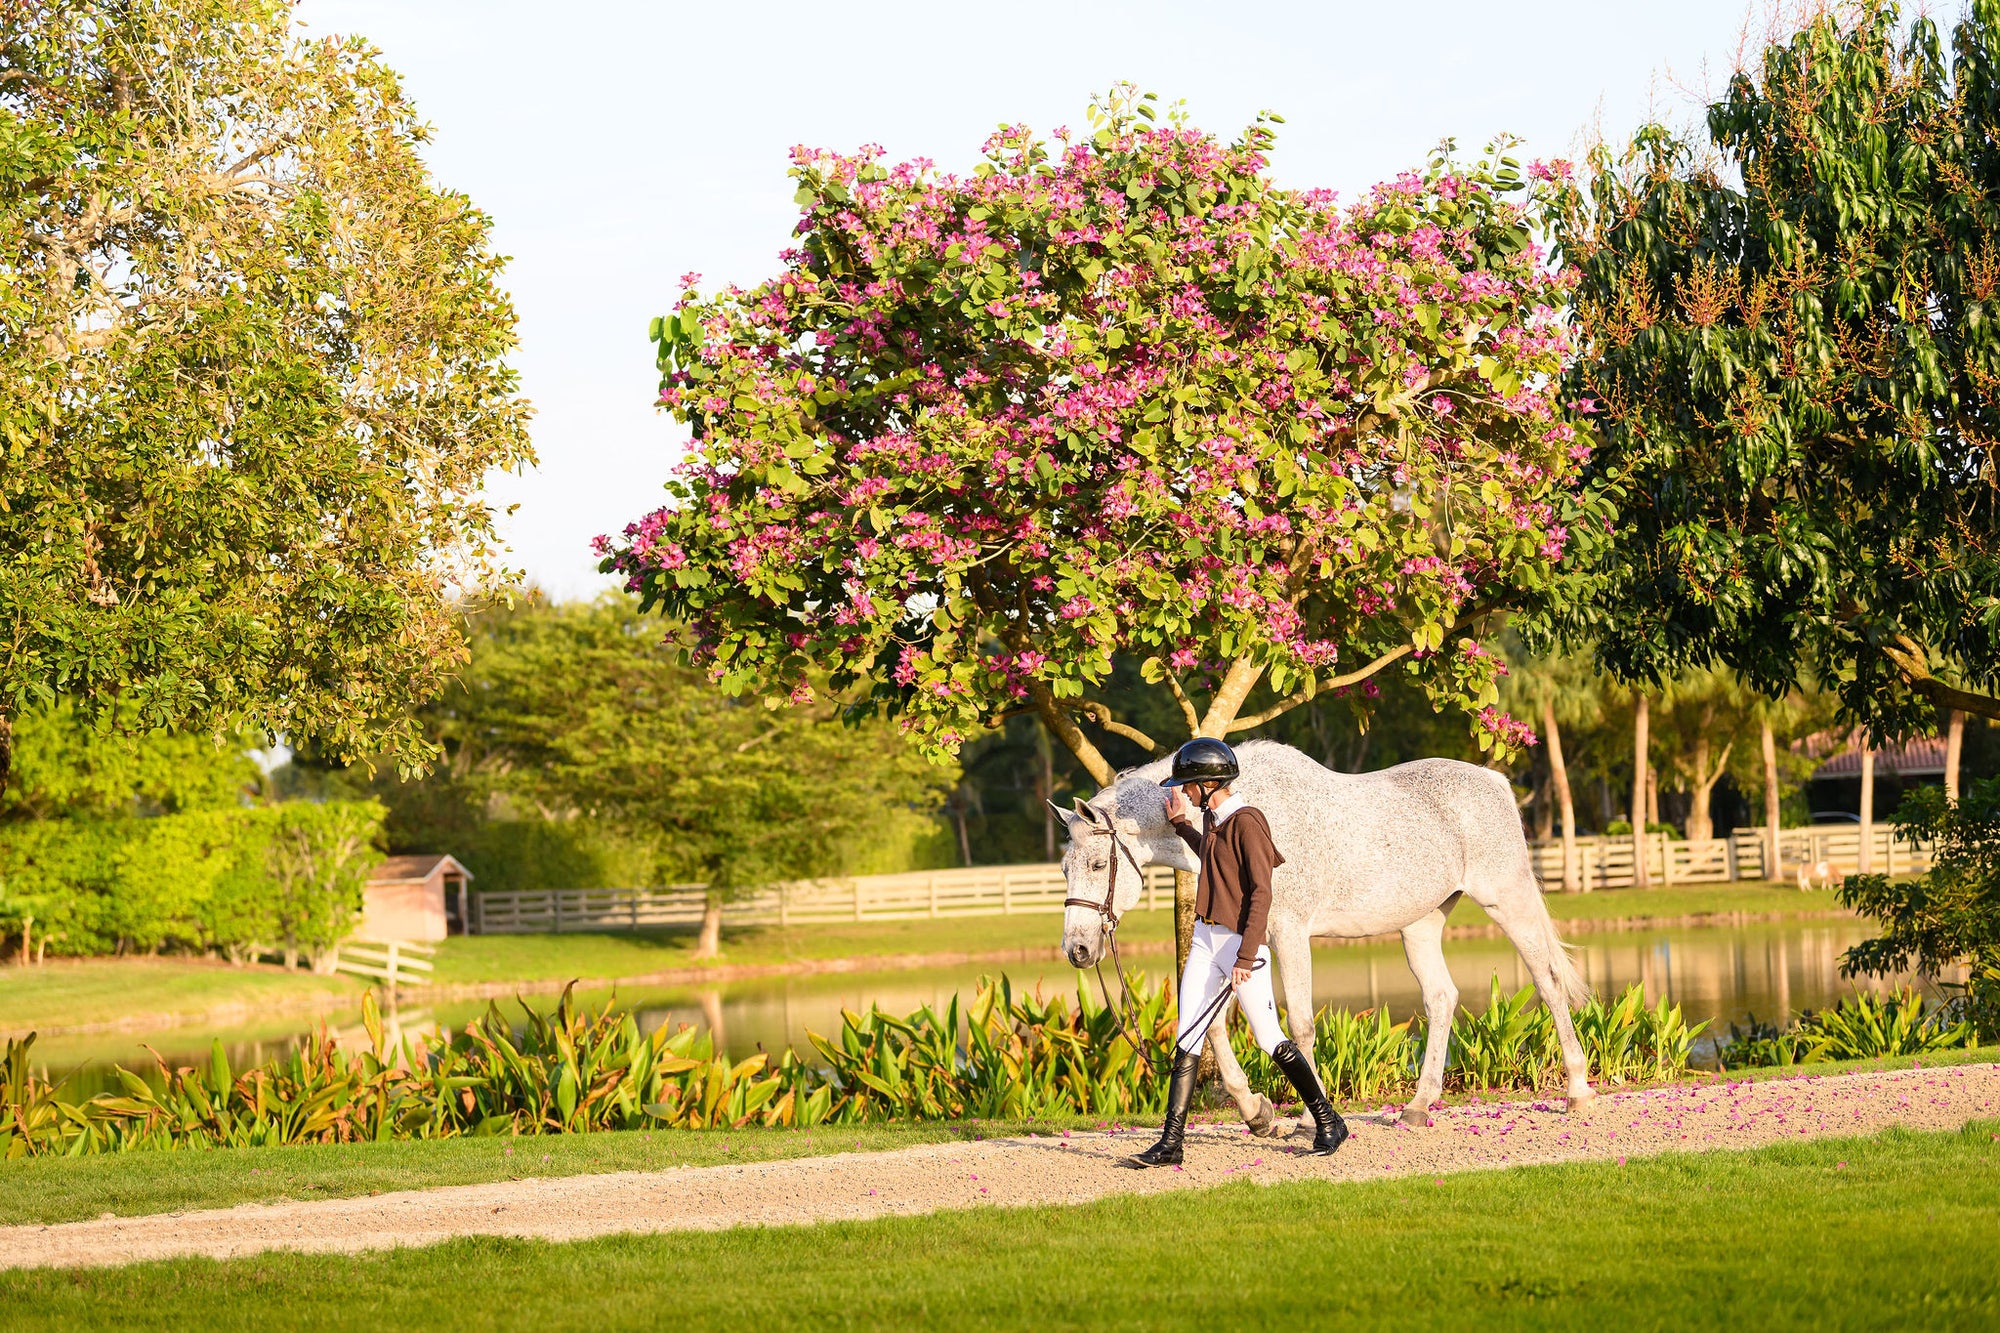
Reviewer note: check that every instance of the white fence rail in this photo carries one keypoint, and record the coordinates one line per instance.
(1606, 862)
(977, 891)
(397, 962)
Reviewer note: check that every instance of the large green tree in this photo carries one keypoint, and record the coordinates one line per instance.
(252, 374)
(1792, 329)
(580, 712)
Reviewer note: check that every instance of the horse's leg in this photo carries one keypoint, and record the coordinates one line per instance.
(1423, 946)
(1254, 1107)
(1291, 950)
(1523, 918)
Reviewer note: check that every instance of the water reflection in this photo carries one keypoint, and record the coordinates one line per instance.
(1773, 971)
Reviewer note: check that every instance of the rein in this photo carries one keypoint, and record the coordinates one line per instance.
(1108, 917)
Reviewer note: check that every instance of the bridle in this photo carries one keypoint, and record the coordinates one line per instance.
(1107, 915)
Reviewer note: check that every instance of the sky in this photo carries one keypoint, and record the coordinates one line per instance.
(619, 145)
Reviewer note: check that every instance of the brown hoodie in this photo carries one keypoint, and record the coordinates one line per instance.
(1236, 864)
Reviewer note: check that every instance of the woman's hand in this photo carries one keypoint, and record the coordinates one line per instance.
(1238, 975)
(1177, 806)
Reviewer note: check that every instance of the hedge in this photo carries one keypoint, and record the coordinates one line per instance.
(287, 877)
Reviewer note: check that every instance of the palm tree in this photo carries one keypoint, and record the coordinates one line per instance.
(1557, 691)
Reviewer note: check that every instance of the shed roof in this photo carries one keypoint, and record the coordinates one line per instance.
(1918, 758)
(416, 869)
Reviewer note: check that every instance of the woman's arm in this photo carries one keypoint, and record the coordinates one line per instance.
(1259, 855)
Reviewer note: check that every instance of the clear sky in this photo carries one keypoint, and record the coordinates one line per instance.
(618, 145)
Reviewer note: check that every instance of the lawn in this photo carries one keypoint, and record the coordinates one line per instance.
(1889, 1232)
(60, 1189)
(158, 992)
(1680, 900)
(477, 958)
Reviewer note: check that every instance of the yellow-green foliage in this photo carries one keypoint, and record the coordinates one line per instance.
(1002, 1056)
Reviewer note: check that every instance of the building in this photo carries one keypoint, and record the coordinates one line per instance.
(415, 898)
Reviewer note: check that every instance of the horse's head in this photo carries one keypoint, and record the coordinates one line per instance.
(1110, 841)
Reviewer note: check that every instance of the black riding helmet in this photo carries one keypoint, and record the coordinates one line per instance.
(1203, 759)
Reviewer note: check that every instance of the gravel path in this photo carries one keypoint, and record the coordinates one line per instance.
(1069, 1168)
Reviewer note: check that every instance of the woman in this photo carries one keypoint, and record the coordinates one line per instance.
(1231, 907)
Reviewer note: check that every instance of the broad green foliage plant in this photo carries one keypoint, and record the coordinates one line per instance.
(1788, 327)
(1004, 1055)
(1863, 1026)
(1118, 393)
(1948, 917)
(253, 371)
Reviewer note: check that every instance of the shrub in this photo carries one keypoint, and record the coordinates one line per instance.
(287, 876)
(1863, 1026)
(1950, 916)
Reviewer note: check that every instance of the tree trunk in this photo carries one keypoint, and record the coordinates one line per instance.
(1559, 779)
(1954, 746)
(1700, 828)
(1773, 799)
(1048, 794)
(1640, 723)
(709, 942)
(1865, 864)
(1652, 797)
(964, 839)
(6, 751)
(1545, 810)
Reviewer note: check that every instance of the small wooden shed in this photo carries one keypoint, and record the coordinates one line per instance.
(415, 898)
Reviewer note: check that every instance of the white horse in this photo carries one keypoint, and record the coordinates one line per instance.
(1365, 854)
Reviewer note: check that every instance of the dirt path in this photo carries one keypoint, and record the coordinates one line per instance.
(1070, 1168)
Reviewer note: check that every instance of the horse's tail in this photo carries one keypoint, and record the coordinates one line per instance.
(1574, 987)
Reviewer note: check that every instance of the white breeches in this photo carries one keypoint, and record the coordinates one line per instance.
(1207, 976)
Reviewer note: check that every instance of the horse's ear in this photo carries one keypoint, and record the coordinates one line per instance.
(1065, 816)
(1087, 812)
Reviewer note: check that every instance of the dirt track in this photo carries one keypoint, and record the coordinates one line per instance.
(1072, 1168)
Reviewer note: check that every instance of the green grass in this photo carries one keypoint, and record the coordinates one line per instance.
(480, 958)
(63, 1189)
(156, 992)
(1890, 1232)
(1681, 900)
(60, 1189)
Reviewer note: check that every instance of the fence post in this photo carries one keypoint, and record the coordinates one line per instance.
(394, 965)
(1006, 895)
(1729, 852)
(857, 897)
(555, 900)
(1889, 855)
(784, 905)
(1152, 893)
(1666, 859)
(933, 894)
(635, 908)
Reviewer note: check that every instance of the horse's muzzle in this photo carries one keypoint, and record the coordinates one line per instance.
(1079, 955)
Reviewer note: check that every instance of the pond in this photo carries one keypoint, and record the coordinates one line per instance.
(1773, 971)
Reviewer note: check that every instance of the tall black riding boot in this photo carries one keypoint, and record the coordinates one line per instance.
(1330, 1131)
(1180, 1091)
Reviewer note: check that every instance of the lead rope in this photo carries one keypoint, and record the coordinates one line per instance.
(1214, 1008)
(1118, 963)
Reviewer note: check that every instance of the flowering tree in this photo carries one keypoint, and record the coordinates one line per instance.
(1117, 394)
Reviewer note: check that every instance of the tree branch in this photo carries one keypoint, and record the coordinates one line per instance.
(1908, 658)
(1299, 696)
(1181, 698)
(1101, 715)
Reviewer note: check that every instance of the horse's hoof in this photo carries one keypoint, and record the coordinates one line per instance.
(1418, 1116)
(1580, 1105)
(1264, 1124)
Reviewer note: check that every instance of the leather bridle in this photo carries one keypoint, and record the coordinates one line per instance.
(1107, 914)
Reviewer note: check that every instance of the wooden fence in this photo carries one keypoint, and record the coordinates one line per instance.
(977, 891)
(397, 962)
(1606, 862)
